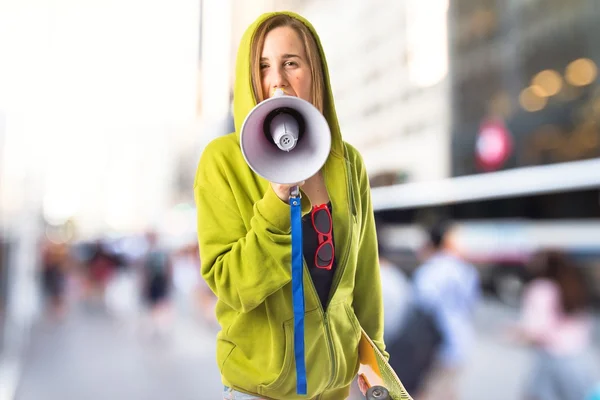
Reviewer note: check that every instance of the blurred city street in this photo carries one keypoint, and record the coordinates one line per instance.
(92, 356)
(476, 125)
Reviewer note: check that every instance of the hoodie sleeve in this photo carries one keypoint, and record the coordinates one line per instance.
(368, 297)
(242, 263)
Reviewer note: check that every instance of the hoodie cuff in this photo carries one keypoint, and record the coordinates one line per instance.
(277, 212)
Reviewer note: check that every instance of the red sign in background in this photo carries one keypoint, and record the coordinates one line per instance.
(493, 145)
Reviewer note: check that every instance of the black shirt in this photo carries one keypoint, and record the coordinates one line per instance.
(321, 278)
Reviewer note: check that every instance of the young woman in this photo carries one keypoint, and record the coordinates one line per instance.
(245, 242)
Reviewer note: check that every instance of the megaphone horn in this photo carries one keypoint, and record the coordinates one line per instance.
(285, 139)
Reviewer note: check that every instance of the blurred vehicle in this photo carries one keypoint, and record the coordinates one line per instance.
(503, 218)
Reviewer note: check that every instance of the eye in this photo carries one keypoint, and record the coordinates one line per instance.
(290, 64)
(263, 66)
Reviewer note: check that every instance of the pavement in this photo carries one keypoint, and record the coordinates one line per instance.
(93, 355)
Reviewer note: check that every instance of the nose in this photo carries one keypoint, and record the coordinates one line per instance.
(279, 80)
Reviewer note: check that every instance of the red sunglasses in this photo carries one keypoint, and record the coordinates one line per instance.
(321, 220)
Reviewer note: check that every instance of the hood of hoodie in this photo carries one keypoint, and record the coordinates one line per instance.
(243, 95)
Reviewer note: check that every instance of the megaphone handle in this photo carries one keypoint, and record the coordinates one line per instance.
(295, 192)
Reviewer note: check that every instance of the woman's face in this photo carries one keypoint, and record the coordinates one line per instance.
(283, 64)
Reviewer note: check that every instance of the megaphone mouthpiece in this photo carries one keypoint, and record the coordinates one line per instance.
(284, 127)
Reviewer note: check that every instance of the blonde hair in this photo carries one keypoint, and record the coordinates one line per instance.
(313, 55)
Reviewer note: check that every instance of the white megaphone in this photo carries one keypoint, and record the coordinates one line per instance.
(285, 139)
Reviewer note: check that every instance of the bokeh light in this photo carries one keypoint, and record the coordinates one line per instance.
(581, 72)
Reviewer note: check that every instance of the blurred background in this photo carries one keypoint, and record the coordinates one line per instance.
(483, 112)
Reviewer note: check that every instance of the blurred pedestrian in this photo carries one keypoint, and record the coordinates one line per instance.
(187, 279)
(54, 269)
(245, 240)
(556, 322)
(396, 293)
(157, 286)
(101, 266)
(447, 288)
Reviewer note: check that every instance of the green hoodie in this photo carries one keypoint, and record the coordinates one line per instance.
(245, 246)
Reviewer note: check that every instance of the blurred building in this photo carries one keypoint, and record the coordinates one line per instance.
(388, 66)
(525, 140)
(524, 83)
(98, 123)
(94, 97)
(213, 94)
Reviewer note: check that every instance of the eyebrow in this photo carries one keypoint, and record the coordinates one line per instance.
(285, 56)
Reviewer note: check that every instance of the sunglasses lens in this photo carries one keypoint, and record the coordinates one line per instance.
(322, 221)
(324, 255)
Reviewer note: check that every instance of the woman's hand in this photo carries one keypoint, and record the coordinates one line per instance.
(283, 191)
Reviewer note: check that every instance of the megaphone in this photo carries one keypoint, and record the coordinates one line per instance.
(285, 139)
